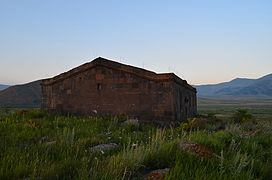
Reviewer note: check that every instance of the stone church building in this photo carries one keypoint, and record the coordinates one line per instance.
(106, 88)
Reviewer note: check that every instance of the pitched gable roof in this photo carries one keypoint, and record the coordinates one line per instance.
(119, 67)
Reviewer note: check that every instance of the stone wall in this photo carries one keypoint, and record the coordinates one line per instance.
(109, 92)
(107, 88)
(185, 102)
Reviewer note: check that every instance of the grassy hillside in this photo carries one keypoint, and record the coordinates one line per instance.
(35, 145)
(26, 95)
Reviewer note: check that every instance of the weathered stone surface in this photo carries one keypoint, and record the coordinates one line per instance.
(47, 141)
(50, 143)
(158, 174)
(103, 147)
(132, 122)
(107, 88)
(197, 149)
(248, 134)
(44, 139)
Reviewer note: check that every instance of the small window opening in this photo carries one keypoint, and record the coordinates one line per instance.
(99, 87)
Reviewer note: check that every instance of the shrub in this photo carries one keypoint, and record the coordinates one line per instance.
(242, 115)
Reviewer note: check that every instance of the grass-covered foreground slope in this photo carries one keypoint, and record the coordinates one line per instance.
(35, 145)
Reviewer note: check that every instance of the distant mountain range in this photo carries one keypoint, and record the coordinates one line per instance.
(29, 95)
(238, 88)
(25, 95)
(2, 86)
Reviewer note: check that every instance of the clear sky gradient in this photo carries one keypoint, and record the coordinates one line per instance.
(202, 41)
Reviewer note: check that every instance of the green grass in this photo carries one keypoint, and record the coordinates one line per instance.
(36, 145)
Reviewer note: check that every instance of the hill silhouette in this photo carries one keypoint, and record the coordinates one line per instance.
(239, 88)
(25, 95)
(3, 86)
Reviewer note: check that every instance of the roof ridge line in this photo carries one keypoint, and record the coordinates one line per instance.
(147, 74)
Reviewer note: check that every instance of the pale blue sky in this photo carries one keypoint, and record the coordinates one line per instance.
(202, 41)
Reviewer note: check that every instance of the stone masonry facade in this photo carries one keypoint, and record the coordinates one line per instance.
(107, 88)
